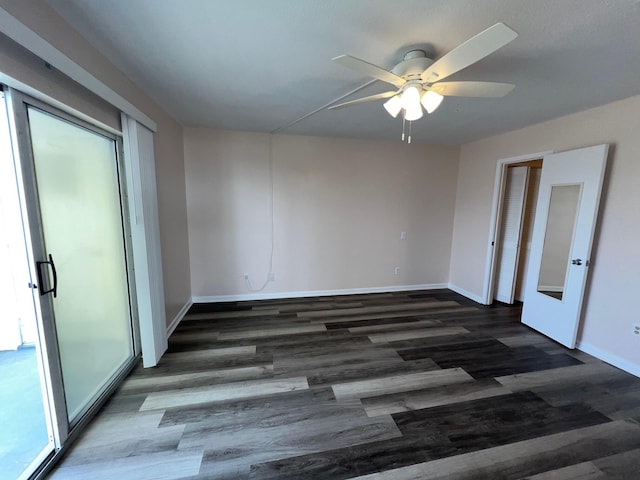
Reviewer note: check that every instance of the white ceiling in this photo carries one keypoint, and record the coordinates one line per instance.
(260, 64)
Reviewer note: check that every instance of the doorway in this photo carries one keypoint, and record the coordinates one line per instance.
(517, 227)
(562, 230)
(513, 245)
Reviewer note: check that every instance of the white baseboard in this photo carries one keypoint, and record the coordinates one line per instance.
(178, 318)
(465, 293)
(610, 358)
(315, 293)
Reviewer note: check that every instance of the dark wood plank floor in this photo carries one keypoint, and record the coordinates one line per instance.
(411, 385)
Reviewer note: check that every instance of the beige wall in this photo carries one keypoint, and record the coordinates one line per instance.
(40, 17)
(340, 206)
(23, 66)
(610, 309)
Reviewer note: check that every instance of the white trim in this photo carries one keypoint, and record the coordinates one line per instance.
(610, 358)
(178, 318)
(315, 293)
(465, 293)
(37, 94)
(494, 225)
(20, 33)
(145, 239)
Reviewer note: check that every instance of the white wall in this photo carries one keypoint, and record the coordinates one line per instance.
(610, 310)
(340, 206)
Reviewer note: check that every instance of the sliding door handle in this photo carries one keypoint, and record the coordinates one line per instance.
(54, 289)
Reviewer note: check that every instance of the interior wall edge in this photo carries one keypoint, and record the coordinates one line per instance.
(466, 293)
(179, 316)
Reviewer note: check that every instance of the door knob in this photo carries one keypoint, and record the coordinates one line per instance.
(576, 261)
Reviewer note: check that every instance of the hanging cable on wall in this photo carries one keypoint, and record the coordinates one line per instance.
(272, 233)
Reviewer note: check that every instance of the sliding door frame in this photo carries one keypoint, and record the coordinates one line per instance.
(63, 430)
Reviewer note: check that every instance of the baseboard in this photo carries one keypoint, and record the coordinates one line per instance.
(315, 293)
(465, 293)
(610, 358)
(178, 318)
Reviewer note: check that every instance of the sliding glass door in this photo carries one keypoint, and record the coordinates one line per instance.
(74, 208)
(83, 263)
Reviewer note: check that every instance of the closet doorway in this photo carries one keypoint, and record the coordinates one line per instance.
(513, 243)
(559, 234)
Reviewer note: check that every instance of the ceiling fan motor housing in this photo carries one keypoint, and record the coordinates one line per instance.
(415, 62)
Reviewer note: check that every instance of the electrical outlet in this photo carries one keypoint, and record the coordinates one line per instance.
(636, 329)
(246, 276)
(396, 271)
(403, 235)
(272, 277)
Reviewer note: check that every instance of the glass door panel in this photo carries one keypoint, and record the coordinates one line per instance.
(77, 180)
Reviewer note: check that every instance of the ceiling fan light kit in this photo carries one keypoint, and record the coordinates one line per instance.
(419, 78)
(393, 106)
(431, 100)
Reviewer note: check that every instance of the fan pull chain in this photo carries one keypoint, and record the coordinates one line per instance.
(409, 139)
(403, 121)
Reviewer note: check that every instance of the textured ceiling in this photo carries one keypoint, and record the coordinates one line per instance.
(259, 65)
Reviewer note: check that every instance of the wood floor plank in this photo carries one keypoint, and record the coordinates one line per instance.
(271, 332)
(467, 389)
(219, 393)
(185, 380)
(209, 353)
(530, 380)
(186, 336)
(233, 414)
(398, 383)
(404, 314)
(394, 326)
(159, 466)
(580, 471)
(412, 306)
(419, 333)
(620, 466)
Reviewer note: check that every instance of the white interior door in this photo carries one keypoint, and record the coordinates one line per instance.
(510, 233)
(566, 214)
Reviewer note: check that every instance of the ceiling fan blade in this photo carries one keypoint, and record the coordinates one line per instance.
(358, 101)
(471, 51)
(369, 69)
(472, 89)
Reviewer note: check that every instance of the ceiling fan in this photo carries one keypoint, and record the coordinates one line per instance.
(418, 79)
